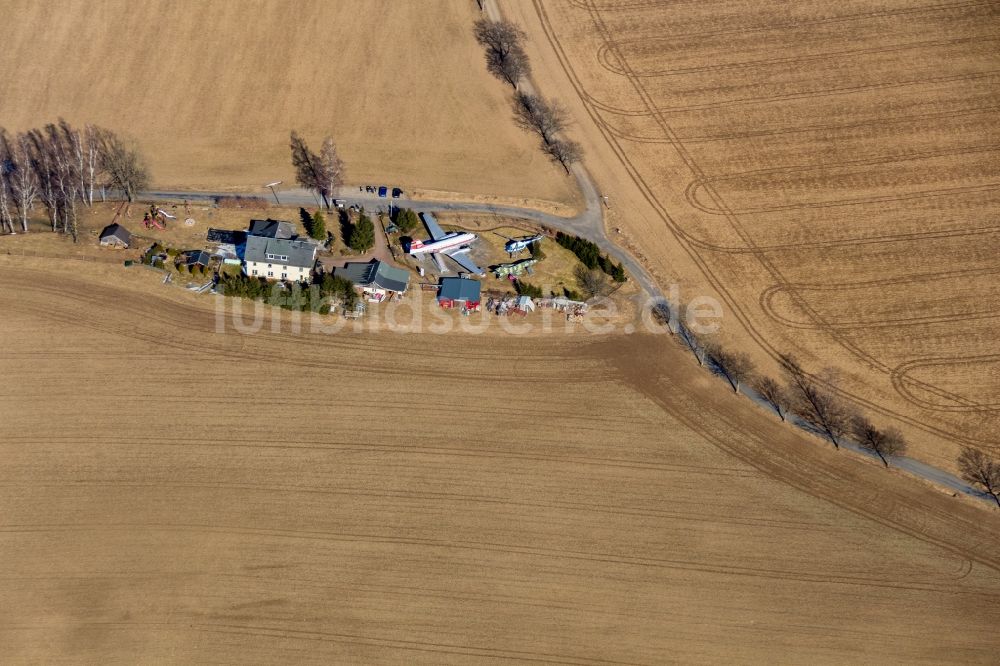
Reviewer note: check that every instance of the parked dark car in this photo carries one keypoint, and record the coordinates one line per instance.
(382, 191)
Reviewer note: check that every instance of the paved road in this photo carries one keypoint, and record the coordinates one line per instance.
(589, 224)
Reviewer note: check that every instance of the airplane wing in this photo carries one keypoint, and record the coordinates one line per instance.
(437, 233)
(462, 258)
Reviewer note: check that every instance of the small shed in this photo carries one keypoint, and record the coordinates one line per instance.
(115, 235)
(524, 305)
(457, 291)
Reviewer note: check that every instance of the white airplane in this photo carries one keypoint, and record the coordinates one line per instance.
(453, 244)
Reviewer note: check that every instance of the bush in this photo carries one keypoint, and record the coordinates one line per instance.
(590, 256)
(182, 268)
(158, 264)
(572, 294)
(407, 220)
(536, 250)
(317, 227)
(172, 252)
(363, 234)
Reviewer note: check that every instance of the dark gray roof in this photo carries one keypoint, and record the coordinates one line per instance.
(459, 289)
(198, 257)
(375, 273)
(271, 229)
(116, 231)
(297, 253)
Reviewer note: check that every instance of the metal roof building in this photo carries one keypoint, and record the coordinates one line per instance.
(375, 274)
(117, 235)
(456, 290)
(271, 229)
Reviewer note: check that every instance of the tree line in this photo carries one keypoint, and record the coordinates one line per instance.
(506, 59)
(59, 167)
(818, 408)
(319, 297)
(591, 256)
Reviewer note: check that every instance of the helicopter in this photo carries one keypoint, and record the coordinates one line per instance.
(515, 245)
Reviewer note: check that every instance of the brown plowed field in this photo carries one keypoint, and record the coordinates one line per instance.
(212, 89)
(832, 172)
(175, 494)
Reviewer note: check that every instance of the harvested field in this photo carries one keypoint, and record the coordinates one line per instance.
(831, 173)
(171, 493)
(625, 510)
(212, 89)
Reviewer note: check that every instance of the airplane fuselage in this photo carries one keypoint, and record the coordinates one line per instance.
(519, 244)
(452, 241)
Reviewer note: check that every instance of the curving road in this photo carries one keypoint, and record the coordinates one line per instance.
(588, 224)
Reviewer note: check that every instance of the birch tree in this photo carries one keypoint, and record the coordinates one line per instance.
(41, 165)
(23, 180)
(331, 171)
(6, 170)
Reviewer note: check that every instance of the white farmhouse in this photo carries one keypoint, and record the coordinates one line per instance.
(279, 258)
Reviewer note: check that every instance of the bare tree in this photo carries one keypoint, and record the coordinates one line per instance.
(693, 341)
(91, 162)
(564, 151)
(307, 166)
(6, 171)
(74, 142)
(888, 442)
(122, 161)
(331, 171)
(592, 281)
(62, 147)
(536, 114)
(23, 180)
(822, 411)
(736, 367)
(45, 173)
(979, 470)
(505, 56)
(772, 393)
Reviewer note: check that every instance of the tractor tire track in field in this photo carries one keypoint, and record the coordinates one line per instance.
(605, 53)
(777, 25)
(594, 107)
(701, 516)
(757, 449)
(731, 217)
(825, 578)
(652, 112)
(828, 127)
(901, 381)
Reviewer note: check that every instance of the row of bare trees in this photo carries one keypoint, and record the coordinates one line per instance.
(323, 173)
(59, 167)
(503, 43)
(818, 407)
(506, 59)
